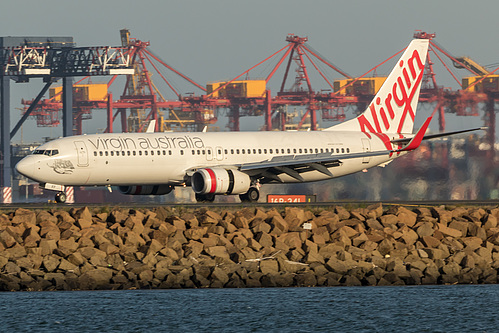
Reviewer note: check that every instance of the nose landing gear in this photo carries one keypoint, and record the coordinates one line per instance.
(60, 197)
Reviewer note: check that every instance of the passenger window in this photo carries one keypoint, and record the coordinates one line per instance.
(294, 150)
(289, 151)
(342, 150)
(243, 151)
(107, 153)
(140, 152)
(299, 150)
(270, 151)
(254, 151)
(181, 152)
(237, 151)
(128, 152)
(225, 151)
(134, 153)
(203, 152)
(199, 152)
(112, 153)
(282, 151)
(169, 152)
(193, 152)
(259, 151)
(249, 151)
(337, 150)
(152, 152)
(348, 150)
(145, 152)
(95, 153)
(232, 151)
(322, 150)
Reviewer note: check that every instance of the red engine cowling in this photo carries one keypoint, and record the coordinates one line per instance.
(146, 189)
(220, 181)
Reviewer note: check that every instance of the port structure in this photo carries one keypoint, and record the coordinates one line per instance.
(48, 58)
(142, 101)
(249, 95)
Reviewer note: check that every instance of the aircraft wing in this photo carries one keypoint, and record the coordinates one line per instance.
(293, 165)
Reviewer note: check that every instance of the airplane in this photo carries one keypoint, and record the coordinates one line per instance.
(238, 163)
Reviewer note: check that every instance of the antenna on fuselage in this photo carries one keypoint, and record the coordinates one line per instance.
(151, 127)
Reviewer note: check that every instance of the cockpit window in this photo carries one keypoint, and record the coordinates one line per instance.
(47, 152)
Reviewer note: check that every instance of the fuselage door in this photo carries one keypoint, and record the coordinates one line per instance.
(209, 153)
(220, 153)
(81, 151)
(366, 147)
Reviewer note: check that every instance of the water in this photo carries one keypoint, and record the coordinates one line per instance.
(337, 309)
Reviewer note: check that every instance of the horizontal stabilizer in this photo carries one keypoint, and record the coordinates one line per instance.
(439, 135)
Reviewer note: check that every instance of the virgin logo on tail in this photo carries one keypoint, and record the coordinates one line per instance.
(397, 99)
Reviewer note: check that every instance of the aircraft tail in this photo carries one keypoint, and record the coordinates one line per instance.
(394, 107)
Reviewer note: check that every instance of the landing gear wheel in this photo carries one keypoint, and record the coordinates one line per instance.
(60, 197)
(251, 196)
(205, 197)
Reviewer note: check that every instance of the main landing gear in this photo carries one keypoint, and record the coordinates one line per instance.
(251, 196)
(60, 197)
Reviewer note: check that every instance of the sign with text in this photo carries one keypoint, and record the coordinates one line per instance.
(288, 198)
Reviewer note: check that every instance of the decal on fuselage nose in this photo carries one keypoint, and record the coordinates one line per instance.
(62, 167)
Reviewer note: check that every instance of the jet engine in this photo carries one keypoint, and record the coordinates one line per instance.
(220, 181)
(146, 189)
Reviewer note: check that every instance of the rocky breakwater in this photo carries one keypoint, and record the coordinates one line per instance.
(251, 247)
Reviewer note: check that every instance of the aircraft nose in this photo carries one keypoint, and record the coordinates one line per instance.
(26, 167)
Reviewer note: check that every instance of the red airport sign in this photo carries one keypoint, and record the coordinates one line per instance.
(285, 198)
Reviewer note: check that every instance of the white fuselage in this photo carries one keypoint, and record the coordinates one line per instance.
(166, 158)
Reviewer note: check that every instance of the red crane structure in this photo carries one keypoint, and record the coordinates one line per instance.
(252, 97)
(193, 112)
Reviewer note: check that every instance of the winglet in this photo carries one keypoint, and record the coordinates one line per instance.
(418, 138)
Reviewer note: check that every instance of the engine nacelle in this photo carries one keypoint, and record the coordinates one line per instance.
(146, 189)
(220, 181)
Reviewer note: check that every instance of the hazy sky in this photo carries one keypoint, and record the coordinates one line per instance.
(214, 40)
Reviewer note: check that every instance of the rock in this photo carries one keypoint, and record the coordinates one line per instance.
(306, 279)
(269, 267)
(24, 216)
(83, 223)
(49, 230)
(431, 241)
(218, 251)
(389, 220)
(7, 239)
(425, 229)
(196, 233)
(99, 278)
(51, 262)
(448, 231)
